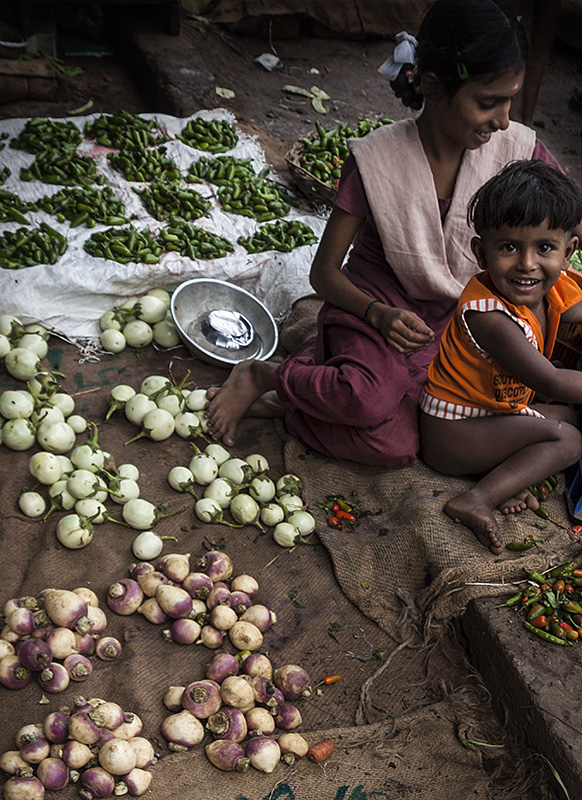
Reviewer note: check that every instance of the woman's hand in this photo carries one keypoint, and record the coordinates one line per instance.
(404, 330)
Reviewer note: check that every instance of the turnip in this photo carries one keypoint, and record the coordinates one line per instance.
(118, 397)
(175, 566)
(259, 665)
(22, 364)
(108, 648)
(15, 404)
(287, 717)
(53, 774)
(153, 612)
(202, 698)
(156, 424)
(240, 601)
(222, 666)
(62, 642)
(23, 786)
(96, 782)
(56, 727)
(137, 781)
(182, 730)
(174, 601)
(117, 757)
(293, 746)
(292, 680)
(236, 691)
(78, 666)
(245, 636)
(227, 756)
(222, 617)
(84, 728)
(263, 752)
(21, 621)
(217, 565)
(150, 581)
(228, 723)
(13, 675)
(260, 719)
(76, 754)
(197, 584)
(173, 698)
(246, 584)
(53, 679)
(182, 631)
(34, 654)
(125, 596)
(144, 751)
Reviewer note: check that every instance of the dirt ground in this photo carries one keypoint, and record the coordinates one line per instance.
(150, 70)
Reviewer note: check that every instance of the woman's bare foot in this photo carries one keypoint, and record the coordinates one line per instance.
(475, 511)
(519, 502)
(241, 391)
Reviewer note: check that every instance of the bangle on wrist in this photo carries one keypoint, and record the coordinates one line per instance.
(367, 311)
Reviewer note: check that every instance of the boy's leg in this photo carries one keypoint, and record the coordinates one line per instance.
(512, 451)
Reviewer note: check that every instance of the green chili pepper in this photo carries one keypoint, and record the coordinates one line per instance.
(547, 637)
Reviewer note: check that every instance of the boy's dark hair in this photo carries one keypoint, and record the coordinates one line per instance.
(525, 193)
(460, 40)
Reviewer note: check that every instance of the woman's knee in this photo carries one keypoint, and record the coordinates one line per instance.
(570, 442)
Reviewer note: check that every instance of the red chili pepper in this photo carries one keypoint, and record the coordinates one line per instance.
(345, 515)
(328, 680)
(567, 627)
(539, 622)
(335, 508)
(334, 522)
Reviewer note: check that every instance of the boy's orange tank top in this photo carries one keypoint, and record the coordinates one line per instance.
(465, 375)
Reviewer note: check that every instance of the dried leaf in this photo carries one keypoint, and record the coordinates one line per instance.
(317, 92)
(290, 89)
(317, 104)
(226, 93)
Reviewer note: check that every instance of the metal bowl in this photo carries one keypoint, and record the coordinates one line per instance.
(221, 323)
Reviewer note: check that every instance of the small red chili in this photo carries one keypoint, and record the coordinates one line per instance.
(539, 622)
(334, 522)
(328, 680)
(335, 508)
(345, 515)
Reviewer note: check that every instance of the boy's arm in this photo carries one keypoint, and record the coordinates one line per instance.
(505, 342)
(573, 314)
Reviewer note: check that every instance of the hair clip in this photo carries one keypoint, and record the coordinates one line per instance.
(462, 70)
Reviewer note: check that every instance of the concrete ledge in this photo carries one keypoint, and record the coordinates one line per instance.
(533, 684)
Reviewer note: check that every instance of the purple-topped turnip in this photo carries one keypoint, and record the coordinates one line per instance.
(34, 654)
(228, 723)
(13, 675)
(222, 666)
(182, 730)
(227, 756)
(263, 752)
(292, 680)
(202, 698)
(125, 596)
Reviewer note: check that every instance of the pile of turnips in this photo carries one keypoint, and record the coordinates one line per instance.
(52, 637)
(241, 702)
(199, 604)
(138, 322)
(96, 745)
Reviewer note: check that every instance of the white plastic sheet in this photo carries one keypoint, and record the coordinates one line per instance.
(71, 295)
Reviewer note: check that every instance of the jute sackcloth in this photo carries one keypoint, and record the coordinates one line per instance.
(398, 733)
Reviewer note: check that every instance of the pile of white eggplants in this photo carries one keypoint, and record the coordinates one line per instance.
(52, 637)
(138, 322)
(22, 347)
(241, 702)
(196, 604)
(96, 745)
(218, 481)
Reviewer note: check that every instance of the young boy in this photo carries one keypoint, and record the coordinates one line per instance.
(494, 355)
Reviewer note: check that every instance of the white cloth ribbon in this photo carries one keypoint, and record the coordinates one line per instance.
(403, 54)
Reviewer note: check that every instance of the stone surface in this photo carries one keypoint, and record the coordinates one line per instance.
(534, 685)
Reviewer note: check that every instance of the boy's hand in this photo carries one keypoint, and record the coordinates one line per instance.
(404, 330)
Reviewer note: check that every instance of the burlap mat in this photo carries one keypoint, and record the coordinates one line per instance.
(402, 717)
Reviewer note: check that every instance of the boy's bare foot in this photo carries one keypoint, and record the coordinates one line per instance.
(229, 403)
(475, 511)
(519, 502)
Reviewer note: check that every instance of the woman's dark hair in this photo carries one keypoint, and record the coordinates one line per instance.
(526, 193)
(460, 40)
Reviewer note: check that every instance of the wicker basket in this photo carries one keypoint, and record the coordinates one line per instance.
(311, 187)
